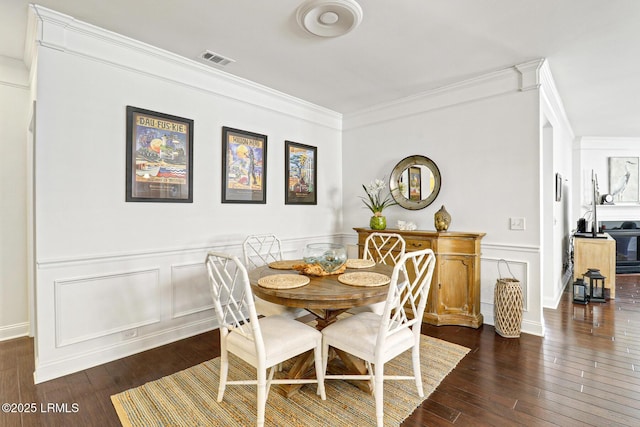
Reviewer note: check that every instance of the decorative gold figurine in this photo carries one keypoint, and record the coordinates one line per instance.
(442, 219)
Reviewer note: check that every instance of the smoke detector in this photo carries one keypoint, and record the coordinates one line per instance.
(329, 18)
(215, 58)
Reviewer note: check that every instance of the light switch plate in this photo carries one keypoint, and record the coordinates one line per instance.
(516, 223)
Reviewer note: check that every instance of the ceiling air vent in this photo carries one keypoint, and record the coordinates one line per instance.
(215, 58)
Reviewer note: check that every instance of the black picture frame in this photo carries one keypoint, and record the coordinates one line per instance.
(415, 183)
(300, 174)
(558, 187)
(244, 166)
(159, 157)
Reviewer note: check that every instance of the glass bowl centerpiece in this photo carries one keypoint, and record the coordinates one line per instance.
(329, 256)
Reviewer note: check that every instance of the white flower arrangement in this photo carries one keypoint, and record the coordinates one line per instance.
(374, 201)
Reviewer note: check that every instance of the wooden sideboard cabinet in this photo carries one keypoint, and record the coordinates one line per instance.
(596, 253)
(454, 297)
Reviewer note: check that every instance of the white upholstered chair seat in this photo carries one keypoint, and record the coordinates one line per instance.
(267, 308)
(366, 326)
(278, 346)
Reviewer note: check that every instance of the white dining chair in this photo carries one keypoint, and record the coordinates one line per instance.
(383, 248)
(260, 250)
(379, 338)
(263, 342)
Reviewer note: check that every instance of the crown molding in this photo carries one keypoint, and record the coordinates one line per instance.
(13, 73)
(551, 98)
(529, 74)
(490, 84)
(64, 33)
(599, 143)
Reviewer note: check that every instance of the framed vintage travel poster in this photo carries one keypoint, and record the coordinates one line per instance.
(244, 166)
(415, 183)
(159, 157)
(300, 174)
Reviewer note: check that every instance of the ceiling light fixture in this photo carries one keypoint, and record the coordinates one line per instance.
(329, 18)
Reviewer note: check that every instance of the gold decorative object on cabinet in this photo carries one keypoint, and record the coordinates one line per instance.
(454, 297)
(442, 219)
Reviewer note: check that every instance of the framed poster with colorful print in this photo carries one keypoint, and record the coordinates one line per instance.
(300, 175)
(159, 157)
(244, 166)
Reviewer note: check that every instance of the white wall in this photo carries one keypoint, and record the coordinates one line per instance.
(114, 278)
(557, 145)
(592, 154)
(14, 109)
(484, 137)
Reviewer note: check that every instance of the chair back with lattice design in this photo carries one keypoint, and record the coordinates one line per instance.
(260, 250)
(232, 296)
(384, 248)
(407, 298)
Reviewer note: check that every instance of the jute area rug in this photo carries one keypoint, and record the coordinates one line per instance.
(188, 398)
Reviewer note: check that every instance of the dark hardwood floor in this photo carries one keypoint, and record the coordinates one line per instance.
(585, 371)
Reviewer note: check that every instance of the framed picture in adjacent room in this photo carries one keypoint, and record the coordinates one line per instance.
(415, 183)
(244, 166)
(300, 174)
(159, 157)
(623, 179)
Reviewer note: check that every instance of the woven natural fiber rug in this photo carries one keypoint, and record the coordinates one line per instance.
(188, 398)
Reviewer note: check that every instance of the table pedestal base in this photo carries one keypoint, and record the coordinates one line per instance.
(303, 368)
(351, 365)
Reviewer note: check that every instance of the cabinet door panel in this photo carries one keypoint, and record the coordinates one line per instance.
(455, 272)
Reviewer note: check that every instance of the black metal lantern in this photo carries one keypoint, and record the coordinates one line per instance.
(596, 285)
(580, 292)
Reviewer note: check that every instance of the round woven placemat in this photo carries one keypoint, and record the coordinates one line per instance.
(360, 263)
(283, 281)
(364, 278)
(285, 264)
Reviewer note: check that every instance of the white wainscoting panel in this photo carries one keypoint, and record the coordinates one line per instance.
(524, 263)
(91, 307)
(190, 289)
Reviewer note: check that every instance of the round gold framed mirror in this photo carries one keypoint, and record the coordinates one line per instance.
(415, 182)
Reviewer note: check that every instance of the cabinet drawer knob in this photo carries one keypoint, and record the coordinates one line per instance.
(417, 245)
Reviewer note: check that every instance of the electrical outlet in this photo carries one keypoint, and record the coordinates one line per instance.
(516, 223)
(131, 333)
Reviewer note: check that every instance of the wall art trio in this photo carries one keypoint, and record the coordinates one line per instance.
(159, 163)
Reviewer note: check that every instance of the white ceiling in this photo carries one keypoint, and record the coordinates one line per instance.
(401, 48)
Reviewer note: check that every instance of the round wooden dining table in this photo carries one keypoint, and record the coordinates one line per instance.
(326, 298)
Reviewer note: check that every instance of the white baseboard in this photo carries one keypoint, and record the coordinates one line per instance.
(526, 327)
(62, 367)
(14, 331)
